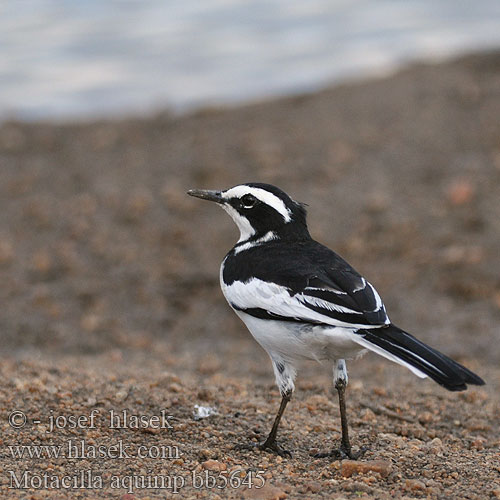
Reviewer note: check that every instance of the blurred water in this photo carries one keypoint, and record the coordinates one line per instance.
(71, 58)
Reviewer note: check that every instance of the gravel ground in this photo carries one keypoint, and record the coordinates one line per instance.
(110, 297)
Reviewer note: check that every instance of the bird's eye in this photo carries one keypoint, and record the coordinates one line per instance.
(248, 201)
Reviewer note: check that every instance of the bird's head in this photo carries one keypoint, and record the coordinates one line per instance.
(260, 209)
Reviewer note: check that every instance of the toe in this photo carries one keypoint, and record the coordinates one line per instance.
(276, 448)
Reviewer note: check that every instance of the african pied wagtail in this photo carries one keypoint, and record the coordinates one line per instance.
(300, 300)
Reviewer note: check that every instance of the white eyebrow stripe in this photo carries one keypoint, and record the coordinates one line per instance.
(262, 195)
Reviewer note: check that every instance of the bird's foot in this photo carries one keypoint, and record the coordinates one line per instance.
(274, 447)
(271, 446)
(342, 453)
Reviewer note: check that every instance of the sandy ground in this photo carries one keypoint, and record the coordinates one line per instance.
(110, 297)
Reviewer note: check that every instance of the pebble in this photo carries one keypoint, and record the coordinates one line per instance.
(41, 262)
(367, 415)
(460, 192)
(435, 446)
(313, 487)
(121, 395)
(477, 444)
(425, 417)
(214, 465)
(477, 425)
(350, 467)
(415, 485)
(267, 492)
(380, 391)
(174, 387)
(317, 402)
(209, 365)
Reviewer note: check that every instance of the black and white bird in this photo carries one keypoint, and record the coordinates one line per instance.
(300, 300)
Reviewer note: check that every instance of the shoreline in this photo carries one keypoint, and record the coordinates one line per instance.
(157, 110)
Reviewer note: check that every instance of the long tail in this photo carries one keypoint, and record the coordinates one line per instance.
(403, 348)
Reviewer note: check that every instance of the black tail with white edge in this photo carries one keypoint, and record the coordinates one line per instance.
(399, 346)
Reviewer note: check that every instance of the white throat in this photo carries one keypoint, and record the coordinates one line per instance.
(246, 229)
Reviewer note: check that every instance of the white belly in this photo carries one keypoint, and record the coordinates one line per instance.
(293, 340)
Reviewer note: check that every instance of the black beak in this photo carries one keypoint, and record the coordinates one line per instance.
(206, 194)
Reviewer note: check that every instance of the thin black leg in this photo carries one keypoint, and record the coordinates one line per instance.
(345, 445)
(344, 451)
(270, 443)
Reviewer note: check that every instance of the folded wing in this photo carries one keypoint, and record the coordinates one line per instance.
(341, 299)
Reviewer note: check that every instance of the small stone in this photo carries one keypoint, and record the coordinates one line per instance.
(350, 467)
(41, 262)
(91, 322)
(474, 396)
(477, 444)
(317, 402)
(435, 446)
(121, 395)
(425, 417)
(377, 203)
(433, 491)
(214, 465)
(209, 365)
(313, 487)
(415, 485)
(496, 493)
(380, 391)
(460, 192)
(167, 377)
(478, 425)
(267, 492)
(367, 415)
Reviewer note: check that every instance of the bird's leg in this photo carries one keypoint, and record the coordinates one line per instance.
(345, 445)
(340, 379)
(270, 443)
(285, 376)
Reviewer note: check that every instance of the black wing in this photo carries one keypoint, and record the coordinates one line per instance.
(303, 282)
(345, 295)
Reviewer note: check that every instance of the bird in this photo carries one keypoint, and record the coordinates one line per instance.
(301, 300)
